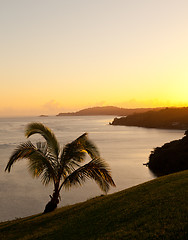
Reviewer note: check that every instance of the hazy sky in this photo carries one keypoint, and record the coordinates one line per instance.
(62, 55)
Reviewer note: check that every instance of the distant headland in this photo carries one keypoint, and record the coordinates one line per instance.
(168, 118)
(108, 110)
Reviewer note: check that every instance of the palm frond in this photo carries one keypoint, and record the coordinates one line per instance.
(42, 166)
(88, 145)
(96, 169)
(66, 169)
(42, 146)
(77, 149)
(24, 150)
(33, 128)
(39, 162)
(74, 151)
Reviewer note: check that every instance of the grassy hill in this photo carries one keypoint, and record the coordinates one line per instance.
(154, 210)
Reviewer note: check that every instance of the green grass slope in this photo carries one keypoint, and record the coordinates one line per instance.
(154, 210)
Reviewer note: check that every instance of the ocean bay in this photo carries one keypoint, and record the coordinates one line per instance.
(125, 149)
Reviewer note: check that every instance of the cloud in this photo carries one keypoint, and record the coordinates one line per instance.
(52, 105)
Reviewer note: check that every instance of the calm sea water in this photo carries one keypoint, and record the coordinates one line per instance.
(124, 148)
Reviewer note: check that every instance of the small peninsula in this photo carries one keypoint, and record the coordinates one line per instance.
(108, 110)
(168, 118)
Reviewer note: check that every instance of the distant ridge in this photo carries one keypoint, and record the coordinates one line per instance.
(108, 110)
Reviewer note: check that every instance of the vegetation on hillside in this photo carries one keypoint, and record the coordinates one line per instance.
(62, 166)
(171, 157)
(168, 118)
(108, 110)
(154, 210)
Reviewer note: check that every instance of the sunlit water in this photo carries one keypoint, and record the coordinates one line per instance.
(124, 148)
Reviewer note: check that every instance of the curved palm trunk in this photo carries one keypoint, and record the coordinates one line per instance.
(52, 204)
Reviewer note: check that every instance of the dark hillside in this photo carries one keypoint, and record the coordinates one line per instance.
(171, 157)
(169, 118)
(108, 110)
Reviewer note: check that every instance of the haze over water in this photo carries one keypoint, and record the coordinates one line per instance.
(125, 149)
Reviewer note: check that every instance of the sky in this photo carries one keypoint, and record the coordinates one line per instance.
(66, 55)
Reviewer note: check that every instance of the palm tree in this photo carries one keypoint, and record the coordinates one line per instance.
(64, 166)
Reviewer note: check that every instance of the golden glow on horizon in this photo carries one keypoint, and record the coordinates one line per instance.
(131, 55)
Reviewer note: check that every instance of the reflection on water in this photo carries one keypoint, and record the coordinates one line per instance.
(124, 148)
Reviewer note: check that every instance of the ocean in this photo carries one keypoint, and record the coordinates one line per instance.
(125, 149)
